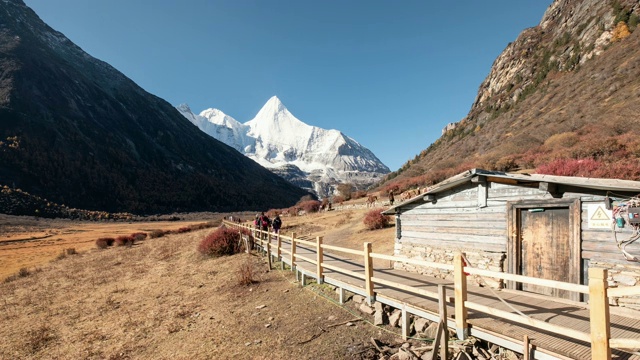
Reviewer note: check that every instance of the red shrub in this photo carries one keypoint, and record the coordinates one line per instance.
(375, 220)
(156, 234)
(310, 206)
(224, 241)
(570, 167)
(124, 240)
(139, 236)
(183, 230)
(103, 243)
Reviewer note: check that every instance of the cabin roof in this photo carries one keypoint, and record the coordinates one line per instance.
(598, 184)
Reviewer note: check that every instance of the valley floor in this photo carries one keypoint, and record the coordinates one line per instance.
(161, 299)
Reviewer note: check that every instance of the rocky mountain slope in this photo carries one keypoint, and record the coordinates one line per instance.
(562, 98)
(308, 156)
(76, 131)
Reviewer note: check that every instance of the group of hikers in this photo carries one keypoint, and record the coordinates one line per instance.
(263, 223)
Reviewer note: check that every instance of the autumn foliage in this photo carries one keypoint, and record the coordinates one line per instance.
(376, 220)
(223, 241)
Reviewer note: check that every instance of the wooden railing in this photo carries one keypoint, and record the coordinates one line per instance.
(598, 291)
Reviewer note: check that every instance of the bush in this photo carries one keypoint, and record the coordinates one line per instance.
(246, 273)
(310, 206)
(156, 234)
(139, 236)
(375, 220)
(224, 241)
(124, 240)
(103, 243)
(66, 252)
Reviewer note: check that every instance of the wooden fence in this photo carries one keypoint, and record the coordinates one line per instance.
(598, 291)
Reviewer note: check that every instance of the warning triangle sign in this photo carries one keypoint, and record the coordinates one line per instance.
(600, 214)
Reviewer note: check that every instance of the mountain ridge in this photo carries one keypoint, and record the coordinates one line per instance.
(279, 141)
(78, 132)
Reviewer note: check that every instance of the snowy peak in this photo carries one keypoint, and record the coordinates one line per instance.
(216, 116)
(277, 140)
(274, 105)
(274, 117)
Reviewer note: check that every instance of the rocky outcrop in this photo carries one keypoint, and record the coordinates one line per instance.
(570, 33)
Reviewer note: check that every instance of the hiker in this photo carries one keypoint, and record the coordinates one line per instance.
(391, 199)
(277, 223)
(265, 222)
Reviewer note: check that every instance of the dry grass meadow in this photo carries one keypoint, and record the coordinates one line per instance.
(161, 299)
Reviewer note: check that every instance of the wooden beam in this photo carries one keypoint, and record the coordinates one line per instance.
(406, 322)
(502, 180)
(460, 287)
(269, 252)
(599, 314)
(368, 272)
(279, 242)
(552, 188)
(482, 194)
(319, 260)
(442, 309)
(293, 251)
(479, 180)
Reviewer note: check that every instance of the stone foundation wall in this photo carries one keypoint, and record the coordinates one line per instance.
(621, 276)
(480, 259)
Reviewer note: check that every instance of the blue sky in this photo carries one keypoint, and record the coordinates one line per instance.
(390, 74)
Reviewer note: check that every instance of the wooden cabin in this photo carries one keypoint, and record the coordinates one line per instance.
(551, 227)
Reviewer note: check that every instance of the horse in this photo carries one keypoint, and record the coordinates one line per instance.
(371, 200)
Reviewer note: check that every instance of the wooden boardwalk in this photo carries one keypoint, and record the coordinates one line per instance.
(508, 334)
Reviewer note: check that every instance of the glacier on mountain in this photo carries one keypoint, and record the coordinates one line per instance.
(279, 141)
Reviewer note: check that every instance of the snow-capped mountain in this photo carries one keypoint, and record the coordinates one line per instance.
(279, 141)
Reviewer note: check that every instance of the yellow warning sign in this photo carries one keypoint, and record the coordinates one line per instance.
(600, 214)
(599, 217)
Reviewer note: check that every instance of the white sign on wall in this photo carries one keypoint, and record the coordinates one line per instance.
(599, 217)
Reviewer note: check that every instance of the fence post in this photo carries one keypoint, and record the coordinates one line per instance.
(599, 314)
(319, 260)
(460, 287)
(293, 251)
(269, 254)
(279, 242)
(368, 272)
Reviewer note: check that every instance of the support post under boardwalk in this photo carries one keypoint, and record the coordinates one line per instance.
(599, 314)
(368, 273)
(293, 251)
(406, 322)
(343, 295)
(442, 310)
(460, 287)
(319, 260)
